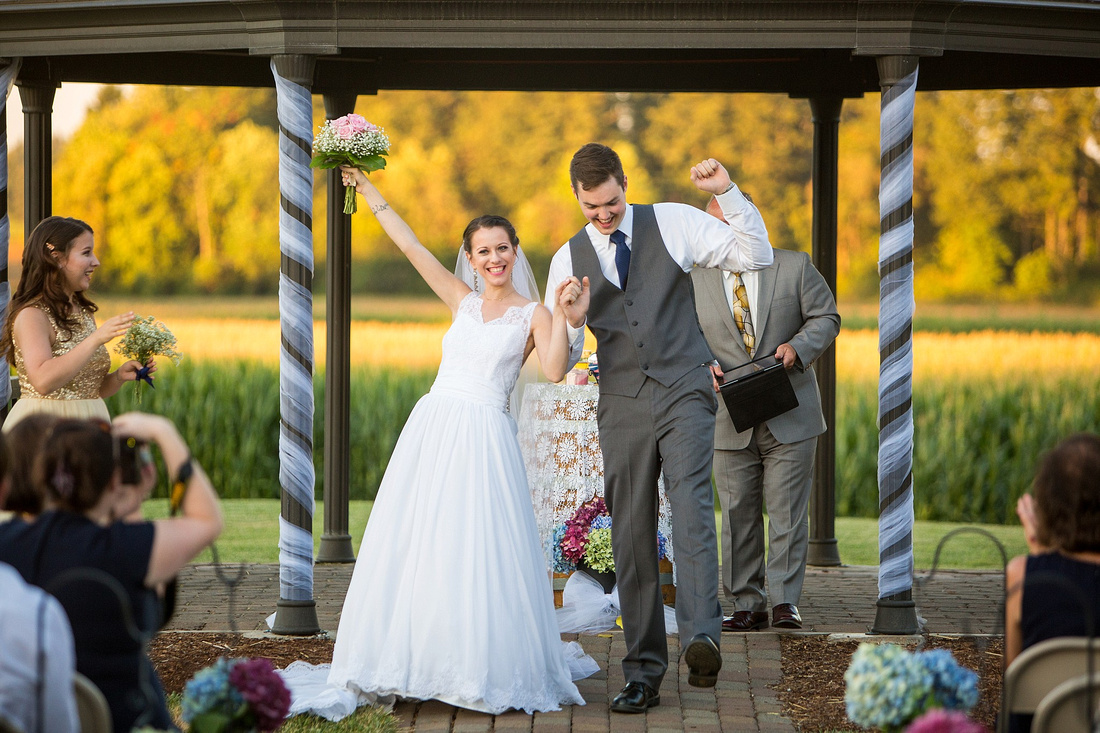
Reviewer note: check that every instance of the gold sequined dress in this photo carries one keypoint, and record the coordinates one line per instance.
(79, 398)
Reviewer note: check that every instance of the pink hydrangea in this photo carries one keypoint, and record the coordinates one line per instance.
(939, 720)
(263, 689)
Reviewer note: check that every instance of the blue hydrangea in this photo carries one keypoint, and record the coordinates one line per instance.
(955, 687)
(209, 690)
(553, 543)
(662, 546)
(886, 686)
(601, 522)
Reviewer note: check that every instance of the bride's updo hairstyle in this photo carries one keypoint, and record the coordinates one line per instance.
(76, 464)
(488, 221)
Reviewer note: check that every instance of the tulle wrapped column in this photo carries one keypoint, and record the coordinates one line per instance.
(296, 610)
(896, 613)
(8, 71)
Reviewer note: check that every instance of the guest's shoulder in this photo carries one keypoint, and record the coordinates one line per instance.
(15, 592)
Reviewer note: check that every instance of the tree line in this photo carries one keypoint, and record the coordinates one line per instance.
(181, 185)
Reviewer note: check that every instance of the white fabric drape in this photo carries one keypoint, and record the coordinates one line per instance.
(896, 308)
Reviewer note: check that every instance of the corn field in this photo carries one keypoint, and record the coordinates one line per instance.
(986, 405)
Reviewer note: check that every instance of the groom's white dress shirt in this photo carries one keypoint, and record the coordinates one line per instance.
(692, 237)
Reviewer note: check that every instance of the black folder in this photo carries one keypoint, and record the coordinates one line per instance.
(759, 396)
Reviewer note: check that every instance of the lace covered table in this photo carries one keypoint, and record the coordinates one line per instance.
(561, 450)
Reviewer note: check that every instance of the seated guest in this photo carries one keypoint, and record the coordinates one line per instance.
(25, 441)
(105, 571)
(1054, 590)
(36, 666)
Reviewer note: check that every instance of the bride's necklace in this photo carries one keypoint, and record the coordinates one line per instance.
(503, 297)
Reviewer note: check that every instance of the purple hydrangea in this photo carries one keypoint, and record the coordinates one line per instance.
(264, 690)
(575, 540)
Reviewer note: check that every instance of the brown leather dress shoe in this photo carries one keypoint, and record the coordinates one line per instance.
(745, 621)
(785, 616)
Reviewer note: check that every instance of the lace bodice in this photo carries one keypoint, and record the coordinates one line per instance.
(485, 355)
(85, 385)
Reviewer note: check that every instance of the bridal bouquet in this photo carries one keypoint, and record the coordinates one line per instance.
(889, 687)
(234, 696)
(350, 140)
(147, 337)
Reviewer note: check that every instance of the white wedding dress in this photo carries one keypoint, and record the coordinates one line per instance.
(450, 598)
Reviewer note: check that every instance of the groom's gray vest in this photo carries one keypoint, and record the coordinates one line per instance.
(651, 330)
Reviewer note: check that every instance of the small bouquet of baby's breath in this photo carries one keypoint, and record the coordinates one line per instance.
(147, 337)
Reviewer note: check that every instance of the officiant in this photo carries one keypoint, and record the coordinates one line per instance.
(785, 310)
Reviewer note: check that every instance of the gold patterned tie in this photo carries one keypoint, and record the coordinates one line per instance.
(741, 315)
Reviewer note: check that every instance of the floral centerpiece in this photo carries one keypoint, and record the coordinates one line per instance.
(147, 337)
(234, 696)
(889, 687)
(585, 539)
(350, 140)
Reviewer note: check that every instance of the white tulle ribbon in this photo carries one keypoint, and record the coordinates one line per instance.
(586, 609)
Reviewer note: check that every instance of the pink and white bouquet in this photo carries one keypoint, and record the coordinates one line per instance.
(350, 140)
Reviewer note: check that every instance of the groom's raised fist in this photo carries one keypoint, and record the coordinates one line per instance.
(710, 176)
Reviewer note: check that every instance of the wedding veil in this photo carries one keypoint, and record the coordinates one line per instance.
(523, 279)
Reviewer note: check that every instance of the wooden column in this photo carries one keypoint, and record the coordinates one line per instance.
(37, 97)
(826, 115)
(335, 539)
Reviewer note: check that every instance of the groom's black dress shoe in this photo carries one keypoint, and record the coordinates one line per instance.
(703, 661)
(636, 697)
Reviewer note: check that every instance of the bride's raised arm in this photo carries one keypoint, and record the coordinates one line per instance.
(442, 281)
(548, 329)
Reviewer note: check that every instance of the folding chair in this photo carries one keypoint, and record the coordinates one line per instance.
(1071, 707)
(91, 706)
(1041, 668)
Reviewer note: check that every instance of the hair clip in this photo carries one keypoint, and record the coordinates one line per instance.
(50, 247)
(62, 481)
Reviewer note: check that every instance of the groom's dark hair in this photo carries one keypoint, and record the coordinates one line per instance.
(593, 164)
(489, 221)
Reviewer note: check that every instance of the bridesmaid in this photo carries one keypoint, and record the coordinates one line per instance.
(51, 336)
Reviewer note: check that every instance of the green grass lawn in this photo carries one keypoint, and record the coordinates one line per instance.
(252, 535)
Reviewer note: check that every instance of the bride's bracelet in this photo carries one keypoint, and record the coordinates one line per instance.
(376, 210)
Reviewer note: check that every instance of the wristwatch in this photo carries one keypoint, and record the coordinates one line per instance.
(179, 486)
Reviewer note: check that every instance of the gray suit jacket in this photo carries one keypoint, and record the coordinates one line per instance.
(795, 306)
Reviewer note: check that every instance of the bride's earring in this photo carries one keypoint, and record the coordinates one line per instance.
(475, 280)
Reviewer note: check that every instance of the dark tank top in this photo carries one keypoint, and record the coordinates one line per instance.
(1060, 595)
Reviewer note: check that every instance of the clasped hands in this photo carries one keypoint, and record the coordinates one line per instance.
(573, 295)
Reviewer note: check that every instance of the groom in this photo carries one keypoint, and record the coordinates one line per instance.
(657, 396)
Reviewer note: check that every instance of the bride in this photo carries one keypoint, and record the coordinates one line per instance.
(450, 599)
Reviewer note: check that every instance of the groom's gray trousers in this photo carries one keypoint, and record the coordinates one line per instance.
(669, 429)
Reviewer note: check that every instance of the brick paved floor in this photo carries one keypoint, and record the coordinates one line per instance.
(834, 600)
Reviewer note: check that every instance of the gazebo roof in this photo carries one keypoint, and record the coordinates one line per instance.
(801, 47)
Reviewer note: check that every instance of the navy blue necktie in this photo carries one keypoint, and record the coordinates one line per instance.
(622, 256)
